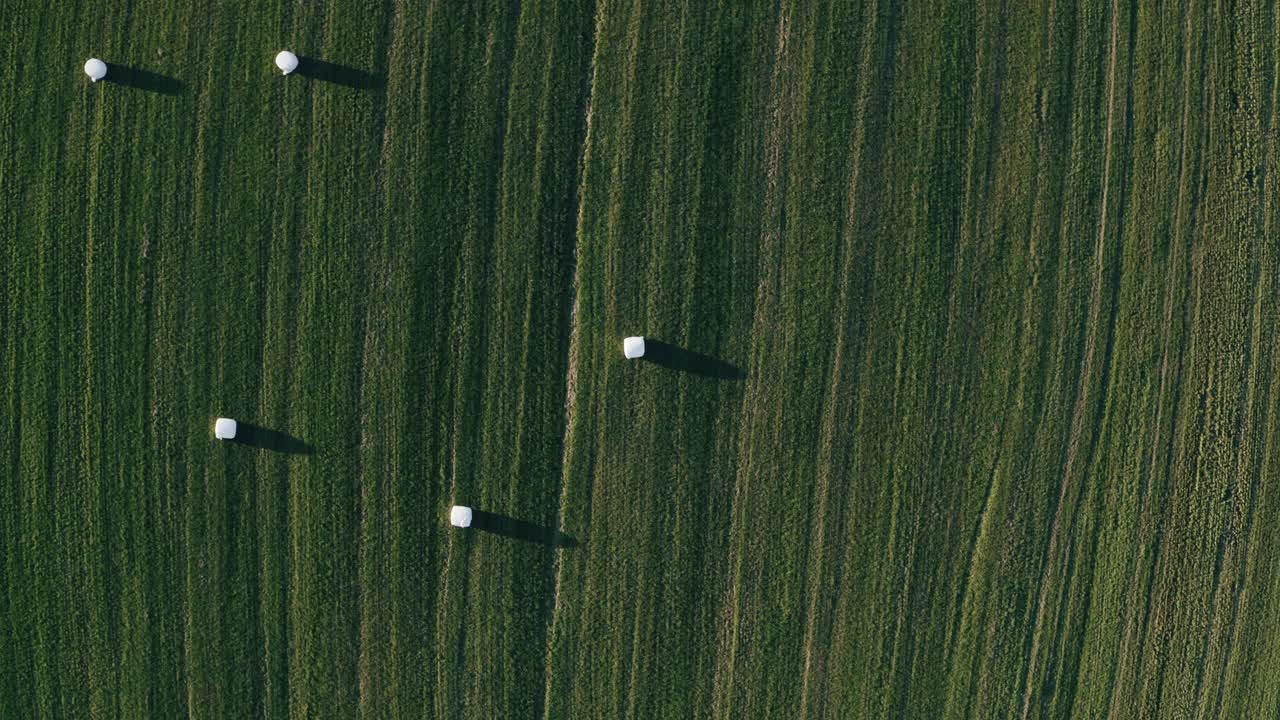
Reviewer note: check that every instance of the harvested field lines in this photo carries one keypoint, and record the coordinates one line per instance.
(958, 398)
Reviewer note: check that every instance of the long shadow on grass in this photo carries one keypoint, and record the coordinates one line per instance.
(339, 74)
(677, 358)
(144, 80)
(510, 527)
(260, 437)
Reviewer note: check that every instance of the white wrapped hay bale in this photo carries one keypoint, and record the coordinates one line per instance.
(460, 516)
(95, 69)
(633, 347)
(286, 61)
(225, 429)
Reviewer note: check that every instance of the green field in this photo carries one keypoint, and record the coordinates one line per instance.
(967, 407)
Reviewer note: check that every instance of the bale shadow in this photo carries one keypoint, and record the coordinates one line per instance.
(677, 358)
(339, 74)
(260, 437)
(144, 80)
(510, 527)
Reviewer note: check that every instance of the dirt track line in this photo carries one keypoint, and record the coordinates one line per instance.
(571, 367)
(775, 139)
(969, 229)
(1242, 592)
(1267, 229)
(1244, 455)
(1223, 581)
(1090, 354)
(837, 370)
(1183, 183)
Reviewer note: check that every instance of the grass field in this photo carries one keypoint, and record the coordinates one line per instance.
(965, 408)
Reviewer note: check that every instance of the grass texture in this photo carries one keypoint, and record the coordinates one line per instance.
(963, 406)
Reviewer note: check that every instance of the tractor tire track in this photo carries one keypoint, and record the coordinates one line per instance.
(571, 354)
(1086, 372)
(776, 142)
